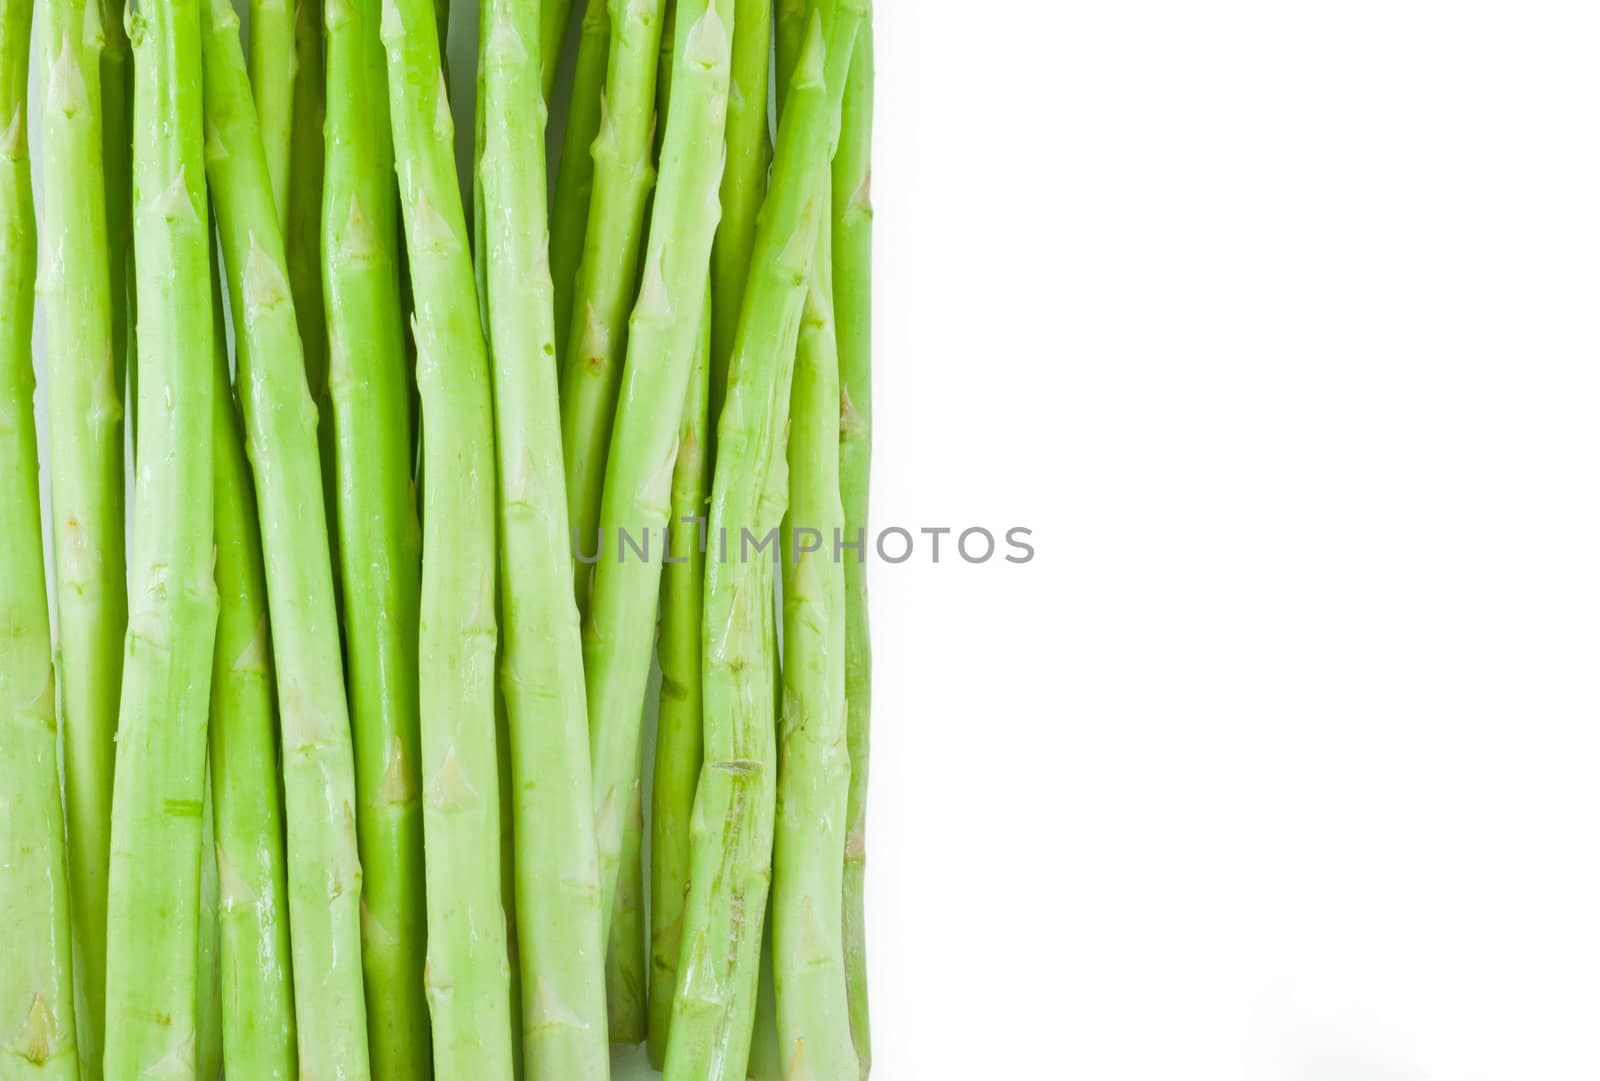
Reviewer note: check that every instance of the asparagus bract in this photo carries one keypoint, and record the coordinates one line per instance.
(852, 283)
(732, 831)
(661, 347)
(258, 1034)
(744, 183)
(37, 1014)
(468, 979)
(607, 278)
(379, 536)
(166, 676)
(569, 212)
(678, 719)
(558, 913)
(86, 467)
(324, 872)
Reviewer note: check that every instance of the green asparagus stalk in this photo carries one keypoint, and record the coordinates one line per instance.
(258, 1034)
(852, 273)
(116, 143)
(625, 947)
(678, 719)
(161, 738)
(274, 71)
(732, 833)
(468, 977)
(380, 540)
(743, 185)
(208, 996)
(553, 16)
(814, 766)
(37, 1015)
(607, 280)
(558, 913)
(569, 213)
(661, 348)
(790, 24)
(86, 478)
(302, 241)
(324, 872)
(766, 1057)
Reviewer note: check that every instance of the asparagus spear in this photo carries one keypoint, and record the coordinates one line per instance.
(569, 214)
(116, 143)
(274, 71)
(678, 720)
(625, 946)
(814, 767)
(852, 270)
(324, 872)
(732, 833)
(258, 1034)
(468, 976)
(37, 1012)
(607, 282)
(661, 347)
(86, 478)
(161, 738)
(380, 541)
(208, 995)
(557, 879)
(302, 240)
(553, 15)
(743, 185)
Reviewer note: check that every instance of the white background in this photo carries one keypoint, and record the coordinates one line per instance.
(1278, 322)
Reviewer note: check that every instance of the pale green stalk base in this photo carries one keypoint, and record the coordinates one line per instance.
(678, 719)
(733, 820)
(607, 283)
(257, 1023)
(274, 72)
(852, 274)
(556, 874)
(86, 466)
(744, 183)
(161, 738)
(380, 545)
(569, 213)
(661, 348)
(467, 976)
(324, 871)
(38, 1029)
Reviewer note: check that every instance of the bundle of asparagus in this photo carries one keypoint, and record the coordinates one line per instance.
(350, 778)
